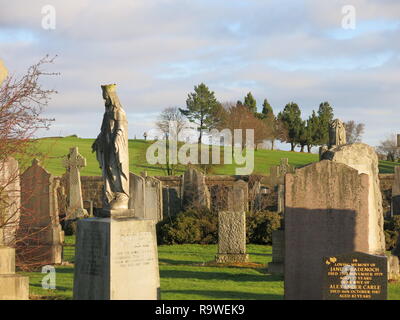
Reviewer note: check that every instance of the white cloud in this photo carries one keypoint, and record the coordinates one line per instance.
(157, 50)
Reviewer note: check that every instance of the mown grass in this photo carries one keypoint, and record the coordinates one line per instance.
(51, 151)
(186, 275)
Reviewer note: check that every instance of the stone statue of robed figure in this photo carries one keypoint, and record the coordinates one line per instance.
(111, 147)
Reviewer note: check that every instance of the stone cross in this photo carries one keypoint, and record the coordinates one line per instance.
(73, 162)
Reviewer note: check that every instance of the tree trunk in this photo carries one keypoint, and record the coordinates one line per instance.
(272, 144)
(292, 146)
(302, 148)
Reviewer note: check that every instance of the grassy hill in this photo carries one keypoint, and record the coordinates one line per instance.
(51, 151)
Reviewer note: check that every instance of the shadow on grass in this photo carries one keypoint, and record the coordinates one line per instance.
(223, 276)
(58, 288)
(178, 262)
(260, 254)
(221, 295)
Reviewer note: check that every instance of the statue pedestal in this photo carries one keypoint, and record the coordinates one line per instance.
(116, 259)
(12, 286)
(120, 213)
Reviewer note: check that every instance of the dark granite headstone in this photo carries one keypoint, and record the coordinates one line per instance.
(355, 276)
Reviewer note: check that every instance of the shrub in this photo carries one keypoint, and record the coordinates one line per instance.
(259, 226)
(70, 227)
(390, 239)
(392, 230)
(201, 226)
(192, 226)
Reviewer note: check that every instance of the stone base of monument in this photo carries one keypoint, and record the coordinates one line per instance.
(116, 259)
(232, 258)
(12, 286)
(120, 213)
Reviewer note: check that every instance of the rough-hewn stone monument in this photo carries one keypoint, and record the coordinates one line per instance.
(396, 192)
(116, 255)
(364, 159)
(73, 162)
(231, 237)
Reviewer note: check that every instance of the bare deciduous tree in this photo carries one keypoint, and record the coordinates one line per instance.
(22, 101)
(388, 147)
(172, 124)
(171, 119)
(354, 131)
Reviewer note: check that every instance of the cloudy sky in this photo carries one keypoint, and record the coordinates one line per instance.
(157, 50)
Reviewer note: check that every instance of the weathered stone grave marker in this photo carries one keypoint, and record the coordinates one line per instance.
(194, 190)
(39, 234)
(396, 192)
(326, 214)
(146, 197)
(231, 237)
(354, 276)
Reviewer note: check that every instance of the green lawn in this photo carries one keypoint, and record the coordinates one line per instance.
(51, 151)
(186, 276)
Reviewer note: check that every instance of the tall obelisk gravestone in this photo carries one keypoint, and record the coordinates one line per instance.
(116, 254)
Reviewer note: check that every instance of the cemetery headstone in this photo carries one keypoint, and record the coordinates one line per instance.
(194, 190)
(137, 195)
(146, 198)
(231, 237)
(326, 214)
(10, 205)
(39, 236)
(276, 266)
(396, 192)
(238, 197)
(116, 255)
(354, 276)
(73, 162)
(153, 199)
(364, 159)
